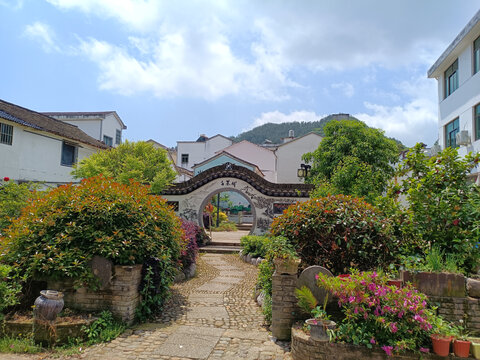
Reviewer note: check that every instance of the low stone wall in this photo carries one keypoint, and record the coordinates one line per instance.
(303, 347)
(455, 309)
(119, 295)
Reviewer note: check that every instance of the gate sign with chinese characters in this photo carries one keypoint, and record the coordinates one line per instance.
(267, 199)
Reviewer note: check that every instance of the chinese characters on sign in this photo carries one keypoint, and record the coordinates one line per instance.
(228, 183)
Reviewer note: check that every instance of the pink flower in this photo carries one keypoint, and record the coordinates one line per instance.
(393, 327)
(372, 341)
(388, 349)
(425, 350)
(316, 277)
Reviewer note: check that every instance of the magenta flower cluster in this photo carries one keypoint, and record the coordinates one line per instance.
(395, 319)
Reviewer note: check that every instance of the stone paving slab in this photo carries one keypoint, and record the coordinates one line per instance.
(206, 312)
(226, 280)
(242, 334)
(190, 341)
(214, 299)
(214, 287)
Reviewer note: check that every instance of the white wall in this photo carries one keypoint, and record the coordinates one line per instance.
(200, 151)
(90, 127)
(265, 159)
(289, 157)
(35, 156)
(109, 127)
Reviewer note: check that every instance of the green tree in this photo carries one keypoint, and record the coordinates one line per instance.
(442, 207)
(139, 161)
(352, 159)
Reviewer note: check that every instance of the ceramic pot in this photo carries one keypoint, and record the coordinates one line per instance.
(475, 347)
(286, 266)
(318, 328)
(461, 348)
(48, 305)
(441, 344)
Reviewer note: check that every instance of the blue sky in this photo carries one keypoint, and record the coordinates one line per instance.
(175, 69)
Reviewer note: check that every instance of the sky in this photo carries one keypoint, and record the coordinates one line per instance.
(173, 70)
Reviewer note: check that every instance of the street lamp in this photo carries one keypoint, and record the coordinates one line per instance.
(303, 171)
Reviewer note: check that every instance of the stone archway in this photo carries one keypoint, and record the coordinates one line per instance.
(267, 199)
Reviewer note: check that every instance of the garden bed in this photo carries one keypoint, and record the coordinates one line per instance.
(305, 348)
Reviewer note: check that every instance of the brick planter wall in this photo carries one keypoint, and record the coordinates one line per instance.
(284, 305)
(120, 296)
(305, 348)
(454, 309)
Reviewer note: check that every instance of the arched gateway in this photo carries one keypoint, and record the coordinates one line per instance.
(267, 199)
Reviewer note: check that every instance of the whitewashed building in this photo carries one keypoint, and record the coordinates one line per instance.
(182, 174)
(36, 147)
(289, 156)
(105, 126)
(190, 153)
(457, 71)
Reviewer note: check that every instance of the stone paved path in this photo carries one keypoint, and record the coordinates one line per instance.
(212, 316)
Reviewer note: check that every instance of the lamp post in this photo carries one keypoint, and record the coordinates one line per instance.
(303, 171)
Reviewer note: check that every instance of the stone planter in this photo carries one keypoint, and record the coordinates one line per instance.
(286, 266)
(436, 284)
(318, 328)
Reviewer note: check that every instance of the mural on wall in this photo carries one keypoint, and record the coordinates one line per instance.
(262, 195)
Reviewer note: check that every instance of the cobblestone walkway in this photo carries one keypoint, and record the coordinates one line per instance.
(212, 316)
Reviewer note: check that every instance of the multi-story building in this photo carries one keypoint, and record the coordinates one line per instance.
(457, 71)
(37, 147)
(105, 126)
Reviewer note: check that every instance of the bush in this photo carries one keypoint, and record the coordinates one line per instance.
(13, 197)
(9, 288)
(337, 232)
(190, 252)
(105, 328)
(57, 235)
(254, 245)
(437, 205)
(395, 319)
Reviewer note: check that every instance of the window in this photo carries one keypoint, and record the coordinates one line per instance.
(69, 154)
(184, 159)
(451, 130)
(118, 137)
(6, 134)
(451, 78)
(476, 116)
(107, 140)
(476, 55)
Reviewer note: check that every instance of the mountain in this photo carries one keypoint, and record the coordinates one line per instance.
(275, 132)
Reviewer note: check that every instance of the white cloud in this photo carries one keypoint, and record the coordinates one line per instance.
(43, 34)
(278, 117)
(12, 4)
(414, 121)
(345, 87)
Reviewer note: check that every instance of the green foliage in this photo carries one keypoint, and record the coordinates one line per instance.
(352, 159)
(254, 245)
(306, 300)
(225, 226)
(105, 328)
(265, 273)
(13, 197)
(337, 232)
(58, 234)
(267, 308)
(19, 345)
(441, 205)
(10, 287)
(139, 161)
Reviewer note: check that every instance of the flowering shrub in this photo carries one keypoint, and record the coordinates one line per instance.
(190, 252)
(337, 232)
(395, 319)
(58, 234)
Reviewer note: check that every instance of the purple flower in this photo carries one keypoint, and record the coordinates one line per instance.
(372, 341)
(388, 350)
(425, 350)
(393, 327)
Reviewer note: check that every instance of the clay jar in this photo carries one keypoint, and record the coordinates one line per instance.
(48, 305)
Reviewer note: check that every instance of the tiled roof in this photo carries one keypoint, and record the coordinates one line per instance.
(46, 123)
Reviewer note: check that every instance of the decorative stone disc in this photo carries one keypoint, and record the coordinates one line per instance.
(307, 278)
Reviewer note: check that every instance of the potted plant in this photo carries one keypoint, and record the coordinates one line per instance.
(441, 338)
(320, 325)
(461, 344)
(285, 257)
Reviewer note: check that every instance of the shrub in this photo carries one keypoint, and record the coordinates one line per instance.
(254, 245)
(442, 207)
(190, 252)
(395, 319)
(57, 235)
(10, 288)
(337, 232)
(13, 197)
(105, 328)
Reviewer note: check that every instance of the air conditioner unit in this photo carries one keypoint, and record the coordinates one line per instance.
(462, 138)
